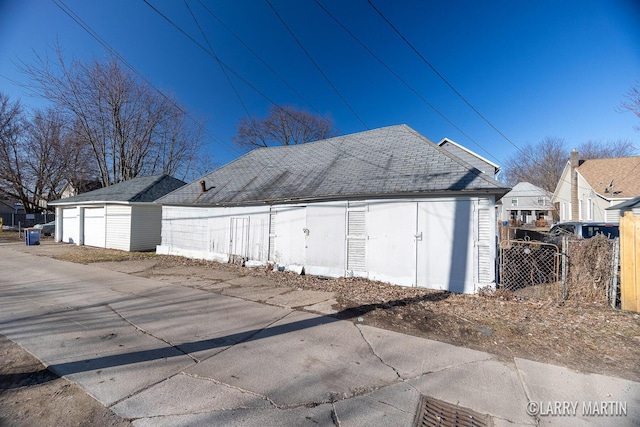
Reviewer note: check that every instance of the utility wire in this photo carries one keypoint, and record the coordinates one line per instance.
(213, 55)
(315, 64)
(67, 10)
(258, 57)
(408, 43)
(404, 82)
(224, 71)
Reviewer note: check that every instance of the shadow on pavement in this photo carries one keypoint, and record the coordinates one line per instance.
(11, 381)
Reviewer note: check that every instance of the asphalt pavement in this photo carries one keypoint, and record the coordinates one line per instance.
(162, 354)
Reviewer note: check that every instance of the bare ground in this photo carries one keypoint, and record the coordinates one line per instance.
(585, 336)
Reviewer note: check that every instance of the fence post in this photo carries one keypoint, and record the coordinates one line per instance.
(565, 260)
(615, 264)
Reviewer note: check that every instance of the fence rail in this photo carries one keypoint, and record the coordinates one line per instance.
(25, 220)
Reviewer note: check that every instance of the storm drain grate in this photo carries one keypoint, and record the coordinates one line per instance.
(436, 413)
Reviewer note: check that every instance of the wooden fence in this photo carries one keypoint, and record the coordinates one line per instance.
(630, 261)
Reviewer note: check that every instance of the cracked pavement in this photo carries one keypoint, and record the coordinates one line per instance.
(161, 353)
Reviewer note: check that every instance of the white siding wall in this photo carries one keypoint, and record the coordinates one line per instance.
(205, 233)
(146, 222)
(442, 243)
(118, 227)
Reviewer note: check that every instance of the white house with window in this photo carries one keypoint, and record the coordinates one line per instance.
(588, 187)
(525, 204)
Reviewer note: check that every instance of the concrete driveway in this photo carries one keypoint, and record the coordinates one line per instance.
(159, 353)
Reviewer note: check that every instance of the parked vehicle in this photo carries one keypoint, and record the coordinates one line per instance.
(585, 230)
(582, 230)
(47, 229)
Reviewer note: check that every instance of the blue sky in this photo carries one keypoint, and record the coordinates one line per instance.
(532, 69)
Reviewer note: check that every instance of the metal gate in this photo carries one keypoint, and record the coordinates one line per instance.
(527, 264)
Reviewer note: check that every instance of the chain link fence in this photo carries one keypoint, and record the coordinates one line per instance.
(529, 269)
(581, 270)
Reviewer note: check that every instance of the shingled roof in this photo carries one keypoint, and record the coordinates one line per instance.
(136, 190)
(394, 161)
(613, 178)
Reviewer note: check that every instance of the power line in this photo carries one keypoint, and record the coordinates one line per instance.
(210, 53)
(71, 14)
(315, 64)
(224, 71)
(255, 54)
(404, 82)
(408, 43)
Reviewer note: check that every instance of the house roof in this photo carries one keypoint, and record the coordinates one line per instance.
(449, 144)
(529, 194)
(627, 204)
(526, 189)
(388, 162)
(622, 173)
(136, 190)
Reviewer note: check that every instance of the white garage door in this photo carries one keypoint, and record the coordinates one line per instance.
(94, 227)
(70, 225)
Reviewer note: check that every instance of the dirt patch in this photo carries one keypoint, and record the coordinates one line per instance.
(30, 395)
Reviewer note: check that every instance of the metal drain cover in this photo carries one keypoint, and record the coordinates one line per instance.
(436, 413)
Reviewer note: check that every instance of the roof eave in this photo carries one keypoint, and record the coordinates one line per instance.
(498, 193)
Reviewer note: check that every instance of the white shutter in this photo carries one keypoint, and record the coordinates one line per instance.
(486, 265)
(272, 236)
(356, 239)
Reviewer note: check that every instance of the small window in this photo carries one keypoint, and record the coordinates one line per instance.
(541, 201)
(514, 202)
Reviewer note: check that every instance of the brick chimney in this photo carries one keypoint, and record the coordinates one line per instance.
(574, 162)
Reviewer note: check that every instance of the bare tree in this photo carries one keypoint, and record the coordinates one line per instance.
(53, 156)
(130, 129)
(12, 126)
(540, 164)
(605, 150)
(36, 156)
(285, 125)
(633, 102)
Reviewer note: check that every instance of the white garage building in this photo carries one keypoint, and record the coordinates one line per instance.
(386, 204)
(121, 216)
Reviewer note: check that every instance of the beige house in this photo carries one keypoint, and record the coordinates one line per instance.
(588, 187)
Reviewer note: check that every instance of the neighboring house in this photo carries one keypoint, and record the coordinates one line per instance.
(386, 204)
(121, 216)
(588, 187)
(474, 159)
(8, 206)
(79, 186)
(525, 204)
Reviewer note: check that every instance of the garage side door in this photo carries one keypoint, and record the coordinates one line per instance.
(94, 227)
(70, 225)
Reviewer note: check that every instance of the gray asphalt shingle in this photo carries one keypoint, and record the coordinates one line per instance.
(391, 161)
(141, 189)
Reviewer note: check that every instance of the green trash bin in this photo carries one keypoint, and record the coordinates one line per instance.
(32, 236)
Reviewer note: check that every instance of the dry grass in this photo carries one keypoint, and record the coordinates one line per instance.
(88, 255)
